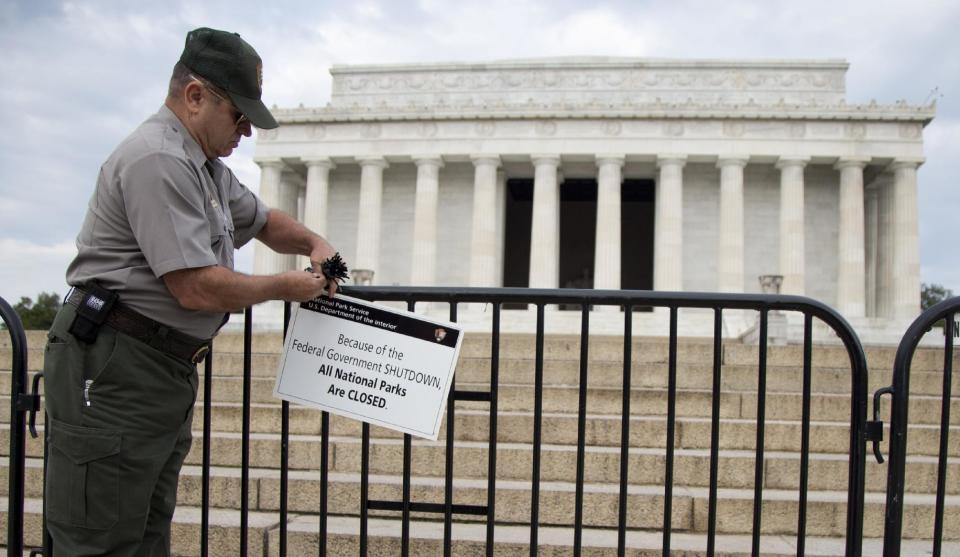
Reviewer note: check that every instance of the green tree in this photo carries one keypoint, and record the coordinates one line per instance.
(38, 315)
(932, 294)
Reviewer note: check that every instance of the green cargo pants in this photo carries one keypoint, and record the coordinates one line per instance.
(119, 429)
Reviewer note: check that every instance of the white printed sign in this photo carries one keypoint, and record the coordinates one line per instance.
(369, 362)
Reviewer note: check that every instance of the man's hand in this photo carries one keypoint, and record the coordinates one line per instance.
(322, 250)
(301, 286)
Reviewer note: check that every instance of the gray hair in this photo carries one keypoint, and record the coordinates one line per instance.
(179, 80)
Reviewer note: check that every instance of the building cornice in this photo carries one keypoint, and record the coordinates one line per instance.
(899, 112)
(594, 62)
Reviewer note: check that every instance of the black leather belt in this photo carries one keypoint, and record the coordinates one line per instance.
(142, 328)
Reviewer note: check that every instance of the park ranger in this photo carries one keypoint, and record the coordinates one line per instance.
(152, 282)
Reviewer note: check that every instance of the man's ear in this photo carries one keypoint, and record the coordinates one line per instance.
(193, 96)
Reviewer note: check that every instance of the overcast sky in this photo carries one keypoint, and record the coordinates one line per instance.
(78, 76)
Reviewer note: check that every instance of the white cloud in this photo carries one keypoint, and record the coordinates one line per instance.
(368, 10)
(942, 134)
(27, 268)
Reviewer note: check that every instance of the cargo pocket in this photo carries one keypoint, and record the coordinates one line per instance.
(83, 476)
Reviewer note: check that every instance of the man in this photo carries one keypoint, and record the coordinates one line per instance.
(153, 282)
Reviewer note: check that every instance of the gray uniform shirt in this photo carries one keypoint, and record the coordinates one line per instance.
(160, 206)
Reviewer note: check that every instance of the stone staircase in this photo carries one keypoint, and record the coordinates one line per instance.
(828, 467)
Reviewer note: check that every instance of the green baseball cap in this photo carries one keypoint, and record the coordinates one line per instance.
(230, 63)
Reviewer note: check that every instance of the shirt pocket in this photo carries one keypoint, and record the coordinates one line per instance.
(221, 235)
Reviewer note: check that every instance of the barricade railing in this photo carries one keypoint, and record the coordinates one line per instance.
(496, 298)
(18, 430)
(945, 312)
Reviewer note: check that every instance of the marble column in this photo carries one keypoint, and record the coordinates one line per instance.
(501, 223)
(318, 191)
(851, 246)
(369, 215)
(885, 241)
(906, 239)
(871, 238)
(264, 260)
(315, 199)
(288, 195)
(607, 254)
(545, 229)
(483, 237)
(792, 230)
(730, 244)
(668, 224)
(423, 270)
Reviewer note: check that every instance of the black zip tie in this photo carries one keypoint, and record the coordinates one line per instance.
(333, 268)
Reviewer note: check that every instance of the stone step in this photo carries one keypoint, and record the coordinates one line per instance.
(734, 377)
(601, 430)
(783, 408)
(561, 399)
(645, 465)
(691, 467)
(826, 510)
(645, 503)
(426, 538)
(567, 348)
(646, 349)
(601, 464)
(223, 532)
(227, 416)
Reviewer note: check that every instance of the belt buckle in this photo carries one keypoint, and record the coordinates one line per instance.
(200, 354)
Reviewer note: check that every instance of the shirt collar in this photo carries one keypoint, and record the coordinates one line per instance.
(190, 146)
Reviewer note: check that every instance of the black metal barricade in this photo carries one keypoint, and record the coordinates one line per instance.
(496, 298)
(946, 312)
(20, 403)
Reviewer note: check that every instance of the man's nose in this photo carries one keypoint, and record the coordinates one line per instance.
(246, 129)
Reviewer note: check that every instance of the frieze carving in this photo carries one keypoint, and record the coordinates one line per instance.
(317, 131)
(593, 79)
(855, 130)
(573, 79)
(486, 129)
(427, 129)
(797, 130)
(733, 129)
(909, 131)
(371, 131)
(547, 128)
(612, 128)
(267, 135)
(673, 129)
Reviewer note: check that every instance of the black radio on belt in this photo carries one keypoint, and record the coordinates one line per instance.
(92, 312)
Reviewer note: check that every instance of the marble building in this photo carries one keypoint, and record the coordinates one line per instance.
(683, 175)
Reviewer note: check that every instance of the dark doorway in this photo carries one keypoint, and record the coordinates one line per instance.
(636, 238)
(578, 232)
(518, 220)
